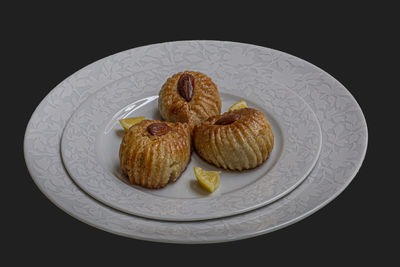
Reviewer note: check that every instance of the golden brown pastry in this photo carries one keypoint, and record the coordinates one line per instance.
(190, 97)
(236, 140)
(154, 153)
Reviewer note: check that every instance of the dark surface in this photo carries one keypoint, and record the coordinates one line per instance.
(45, 44)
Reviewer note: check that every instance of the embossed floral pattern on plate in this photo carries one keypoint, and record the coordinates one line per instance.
(344, 133)
(295, 154)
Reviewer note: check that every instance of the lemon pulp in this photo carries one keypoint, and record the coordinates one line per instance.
(238, 105)
(209, 180)
(129, 122)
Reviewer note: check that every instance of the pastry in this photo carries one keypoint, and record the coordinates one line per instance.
(154, 153)
(189, 97)
(236, 140)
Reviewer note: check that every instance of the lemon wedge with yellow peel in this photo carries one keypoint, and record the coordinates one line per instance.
(129, 122)
(209, 180)
(238, 105)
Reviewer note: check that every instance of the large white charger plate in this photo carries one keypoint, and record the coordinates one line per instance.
(91, 140)
(343, 126)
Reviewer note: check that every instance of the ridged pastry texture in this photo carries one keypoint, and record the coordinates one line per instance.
(244, 144)
(154, 161)
(206, 101)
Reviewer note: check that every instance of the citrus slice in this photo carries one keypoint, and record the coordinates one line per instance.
(209, 180)
(238, 105)
(129, 122)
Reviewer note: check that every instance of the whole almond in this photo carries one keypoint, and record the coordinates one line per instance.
(158, 129)
(227, 119)
(186, 86)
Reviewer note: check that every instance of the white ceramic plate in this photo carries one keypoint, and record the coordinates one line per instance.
(91, 140)
(344, 135)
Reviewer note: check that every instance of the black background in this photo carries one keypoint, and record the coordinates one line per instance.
(44, 44)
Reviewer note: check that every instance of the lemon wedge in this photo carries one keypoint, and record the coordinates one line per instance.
(129, 122)
(209, 180)
(238, 105)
